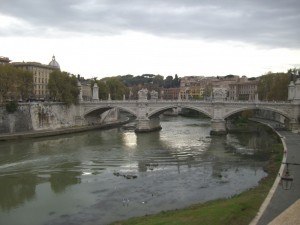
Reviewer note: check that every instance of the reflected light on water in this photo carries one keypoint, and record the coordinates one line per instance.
(102, 176)
(130, 139)
(84, 173)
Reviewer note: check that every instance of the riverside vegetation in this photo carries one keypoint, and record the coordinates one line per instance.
(237, 210)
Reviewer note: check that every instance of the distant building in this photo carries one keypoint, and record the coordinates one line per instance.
(196, 87)
(41, 73)
(199, 87)
(243, 89)
(4, 60)
(170, 93)
(224, 82)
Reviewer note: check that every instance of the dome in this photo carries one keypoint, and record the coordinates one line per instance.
(54, 63)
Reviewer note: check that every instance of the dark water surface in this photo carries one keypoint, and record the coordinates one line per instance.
(101, 176)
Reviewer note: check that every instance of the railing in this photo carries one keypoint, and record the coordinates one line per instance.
(184, 101)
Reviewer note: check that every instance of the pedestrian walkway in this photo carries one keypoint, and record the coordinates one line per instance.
(289, 216)
(282, 199)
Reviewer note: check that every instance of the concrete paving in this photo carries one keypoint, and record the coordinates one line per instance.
(279, 200)
(289, 216)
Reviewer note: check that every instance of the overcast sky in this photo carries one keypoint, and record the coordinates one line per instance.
(98, 38)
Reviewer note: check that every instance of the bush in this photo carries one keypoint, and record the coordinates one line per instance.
(11, 107)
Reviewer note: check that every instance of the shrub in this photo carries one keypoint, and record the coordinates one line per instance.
(11, 107)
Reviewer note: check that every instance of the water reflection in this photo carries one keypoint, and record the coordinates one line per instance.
(15, 190)
(76, 174)
(257, 146)
(130, 139)
(63, 178)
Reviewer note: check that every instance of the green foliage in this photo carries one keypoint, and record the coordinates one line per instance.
(113, 86)
(25, 84)
(229, 76)
(241, 118)
(116, 88)
(11, 106)
(176, 81)
(130, 80)
(63, 87)
(168, 83)
(103, 90)
(273, 87)
(15, 83)
(158, 80)
(150, 80)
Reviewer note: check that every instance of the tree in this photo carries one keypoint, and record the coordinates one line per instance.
(273, 87)
(158, 80)
(7, 80)
(176, 81)
(63, 87)
(11, 106)
(168, 82)
(15, 83)
(25, 84)
(103, 90)
(116, 88)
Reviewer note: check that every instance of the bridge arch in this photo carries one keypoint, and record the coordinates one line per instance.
(241, 109)
(161, 110)
(198, 110)
(103, 109)
(157, 112)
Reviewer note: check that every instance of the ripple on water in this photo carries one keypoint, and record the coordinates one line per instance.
(174, 168)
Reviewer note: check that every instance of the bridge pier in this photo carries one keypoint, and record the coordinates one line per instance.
(218, 127)
(293, 126)
(147, 125)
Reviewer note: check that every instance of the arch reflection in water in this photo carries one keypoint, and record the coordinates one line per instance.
(175, 167)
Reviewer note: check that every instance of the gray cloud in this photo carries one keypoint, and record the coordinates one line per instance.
(267, 23)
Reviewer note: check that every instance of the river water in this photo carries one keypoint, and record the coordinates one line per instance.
(98, 177)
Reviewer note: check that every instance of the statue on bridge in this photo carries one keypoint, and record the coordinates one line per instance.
(294, 74)
(154, 95)
(219, 94)
(143, 94)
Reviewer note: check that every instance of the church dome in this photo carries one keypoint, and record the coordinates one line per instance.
(54, 63)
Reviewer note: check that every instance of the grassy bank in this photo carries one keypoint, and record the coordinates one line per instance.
(238, 210)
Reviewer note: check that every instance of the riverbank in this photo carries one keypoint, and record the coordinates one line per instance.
(239, 209)
(278, 206)
(56, 132)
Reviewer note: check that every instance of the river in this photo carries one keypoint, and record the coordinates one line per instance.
(98, 177)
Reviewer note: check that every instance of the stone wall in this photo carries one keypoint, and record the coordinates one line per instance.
(18, 121)
(47, 116)
(52, 116)
(270, 115)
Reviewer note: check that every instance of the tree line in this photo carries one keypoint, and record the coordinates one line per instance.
(274, 86)
(129, 85)
(63, 87)
(15, 84)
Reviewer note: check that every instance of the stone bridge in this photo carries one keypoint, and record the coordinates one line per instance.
(218, 109)
(147, 111)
